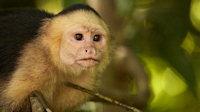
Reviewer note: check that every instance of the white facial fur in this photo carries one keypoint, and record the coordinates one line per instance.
(85, 52)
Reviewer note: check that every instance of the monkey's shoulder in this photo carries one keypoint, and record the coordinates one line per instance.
(17, 27)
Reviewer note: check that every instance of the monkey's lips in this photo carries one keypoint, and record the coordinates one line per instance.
(88, 62)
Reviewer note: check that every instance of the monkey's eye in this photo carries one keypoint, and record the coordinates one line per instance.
(96, 38)
(78, 36)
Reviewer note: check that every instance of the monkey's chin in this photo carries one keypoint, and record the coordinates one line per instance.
(87, 63)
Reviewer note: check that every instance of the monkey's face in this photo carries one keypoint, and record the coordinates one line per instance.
(83, 46)
(84, 41)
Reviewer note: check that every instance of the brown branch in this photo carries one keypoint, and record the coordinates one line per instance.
(102, 97)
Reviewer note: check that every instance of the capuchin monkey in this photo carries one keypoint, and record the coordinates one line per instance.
(40, 51)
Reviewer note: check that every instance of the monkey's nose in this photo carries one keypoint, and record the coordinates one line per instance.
(90, 51)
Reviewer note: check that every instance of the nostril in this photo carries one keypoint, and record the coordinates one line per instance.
(85, 50)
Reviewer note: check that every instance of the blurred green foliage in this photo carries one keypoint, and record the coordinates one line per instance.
(67, 3)
(168, 44)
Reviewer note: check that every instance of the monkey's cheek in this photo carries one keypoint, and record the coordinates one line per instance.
(87, 63)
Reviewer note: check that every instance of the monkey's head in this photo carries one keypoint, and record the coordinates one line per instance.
(78, 39)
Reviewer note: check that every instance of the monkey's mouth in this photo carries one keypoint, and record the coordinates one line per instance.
(88, 62)
(88, 59)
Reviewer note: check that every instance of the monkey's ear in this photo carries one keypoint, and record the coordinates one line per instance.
(44, 30)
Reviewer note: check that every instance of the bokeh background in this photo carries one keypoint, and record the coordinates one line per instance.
(156, 66)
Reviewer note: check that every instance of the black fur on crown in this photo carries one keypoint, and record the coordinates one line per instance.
(76, 7)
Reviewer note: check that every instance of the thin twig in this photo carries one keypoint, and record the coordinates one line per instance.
(102, 97)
